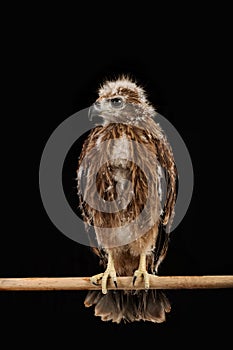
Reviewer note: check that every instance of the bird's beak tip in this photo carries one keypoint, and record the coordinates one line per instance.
(93, 112)
(90, 113)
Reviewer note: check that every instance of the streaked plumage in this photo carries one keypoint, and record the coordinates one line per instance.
(140, 160)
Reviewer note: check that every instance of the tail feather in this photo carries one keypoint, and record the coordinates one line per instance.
(154, 306)
(92, 299)
(108, 308)
(129, 306)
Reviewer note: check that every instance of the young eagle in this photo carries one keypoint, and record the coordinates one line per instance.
(127, 187)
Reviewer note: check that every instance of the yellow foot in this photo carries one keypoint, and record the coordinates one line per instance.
(142, 272)
(145, 275)
(110, 272)
(104, 279)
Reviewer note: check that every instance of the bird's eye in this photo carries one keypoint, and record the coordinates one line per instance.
(116, 102)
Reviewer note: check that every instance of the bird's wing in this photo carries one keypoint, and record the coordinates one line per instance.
(170, 178)
(82, 174)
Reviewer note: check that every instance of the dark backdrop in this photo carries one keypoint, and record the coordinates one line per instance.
(55, 77)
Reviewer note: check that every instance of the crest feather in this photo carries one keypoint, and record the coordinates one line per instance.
(123, 83)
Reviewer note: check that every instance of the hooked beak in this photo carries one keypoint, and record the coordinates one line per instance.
(93, 112)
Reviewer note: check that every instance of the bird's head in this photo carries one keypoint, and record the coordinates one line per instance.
(121, 101)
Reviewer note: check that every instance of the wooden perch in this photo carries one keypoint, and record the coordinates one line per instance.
(83, 283)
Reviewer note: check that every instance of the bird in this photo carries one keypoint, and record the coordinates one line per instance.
(127, 185)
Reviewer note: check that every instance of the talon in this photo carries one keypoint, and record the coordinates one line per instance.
(142, 272)
(94, 279)
(104, 276)
(145, 275)
(96, 284)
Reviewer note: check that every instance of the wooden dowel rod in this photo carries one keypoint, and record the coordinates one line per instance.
(83, 283)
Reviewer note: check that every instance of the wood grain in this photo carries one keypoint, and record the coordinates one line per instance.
(83, 283)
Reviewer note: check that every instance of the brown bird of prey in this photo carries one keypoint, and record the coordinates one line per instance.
(127, 188)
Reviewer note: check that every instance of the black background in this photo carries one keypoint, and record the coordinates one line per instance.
(52, 75)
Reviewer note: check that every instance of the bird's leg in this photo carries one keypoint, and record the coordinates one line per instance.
(109, 272)
(142, 271)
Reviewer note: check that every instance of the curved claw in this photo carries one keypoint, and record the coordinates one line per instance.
(96, 278)
(108, 274)
(145, 275)
(115, 282)
(104, 276)
(134, 279)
